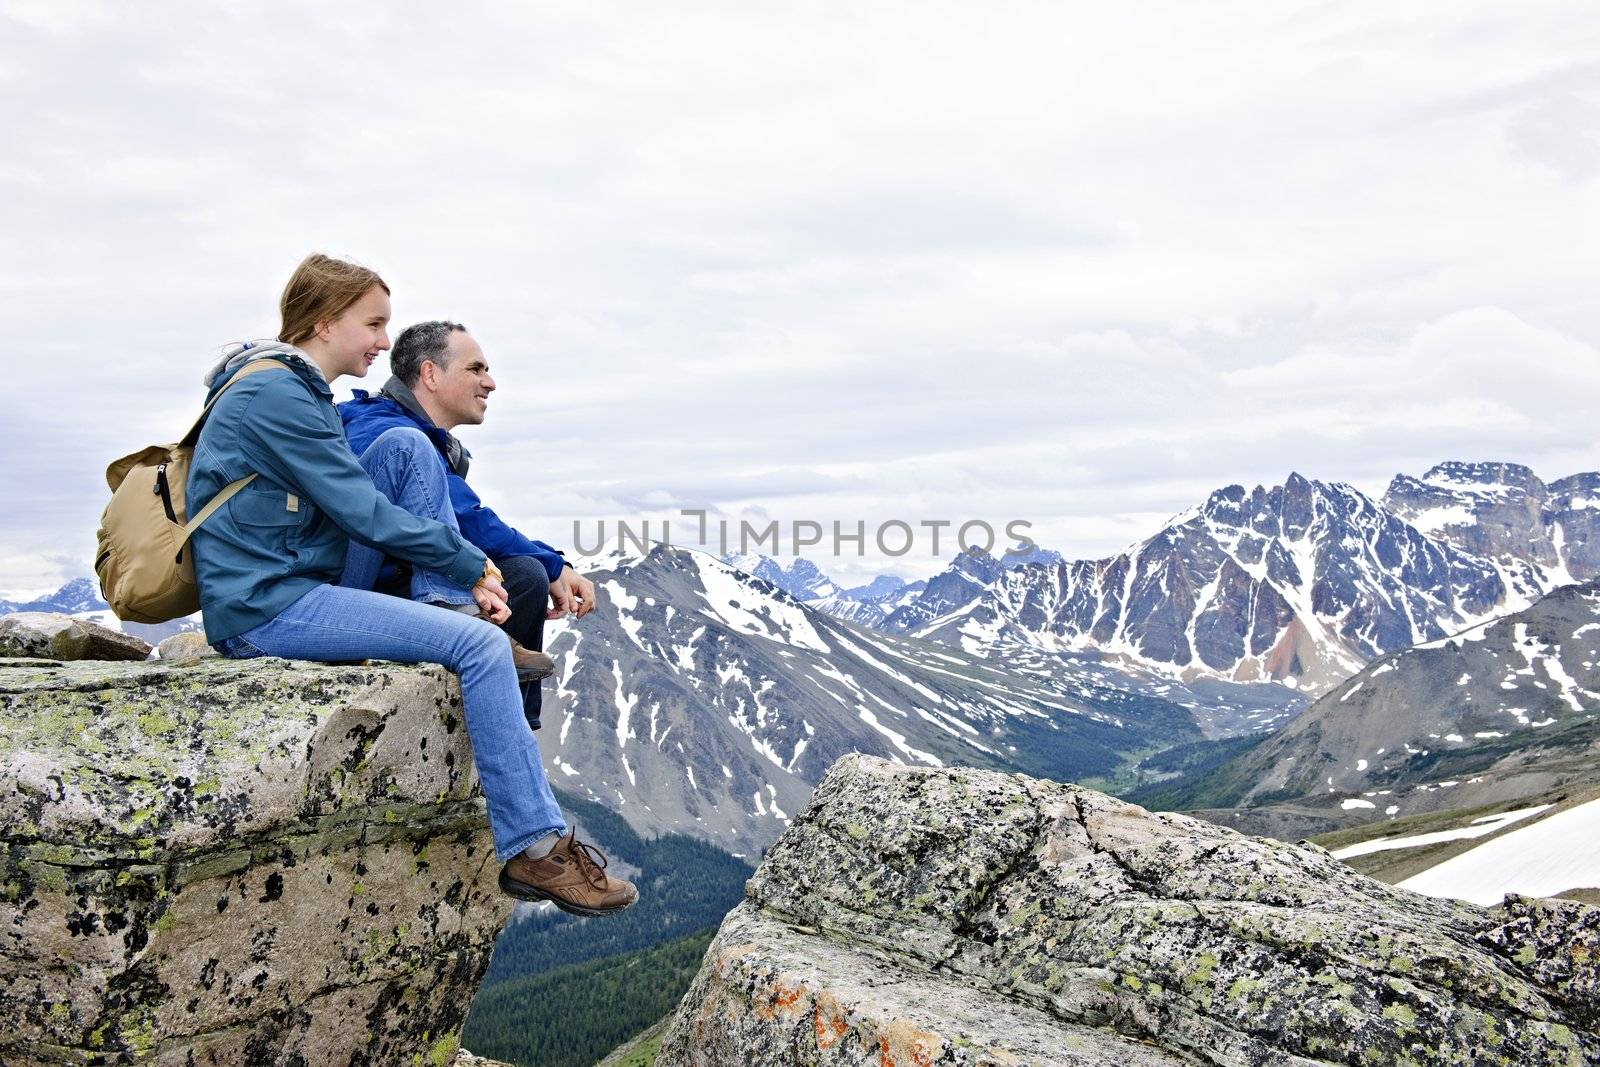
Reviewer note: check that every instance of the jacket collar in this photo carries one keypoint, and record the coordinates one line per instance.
(455, 453)
(238, 355)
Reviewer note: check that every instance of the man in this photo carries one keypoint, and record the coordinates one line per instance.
(441, 381)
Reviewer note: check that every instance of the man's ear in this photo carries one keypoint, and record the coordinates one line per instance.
(428, 374)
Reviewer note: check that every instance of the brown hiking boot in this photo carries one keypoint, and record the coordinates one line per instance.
(572, 877)
(531, 665)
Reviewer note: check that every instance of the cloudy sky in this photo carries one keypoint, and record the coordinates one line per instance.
(821, 261)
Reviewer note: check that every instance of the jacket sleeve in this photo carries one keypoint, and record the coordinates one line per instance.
(488, 531)
(286, 438)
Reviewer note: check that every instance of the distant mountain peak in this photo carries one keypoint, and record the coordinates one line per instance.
(802, 579)
(1301, 582)
(1454, 472)
(76, 596)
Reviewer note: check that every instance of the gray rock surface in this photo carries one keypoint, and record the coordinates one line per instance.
(916, 916)
(238, 863)
(51, 635)
(186, 647)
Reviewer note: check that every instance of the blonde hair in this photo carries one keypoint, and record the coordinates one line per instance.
(319, 290)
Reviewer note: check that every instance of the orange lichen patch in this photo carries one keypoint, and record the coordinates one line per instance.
(781, 999)
(903, 1045)
(829, 1019)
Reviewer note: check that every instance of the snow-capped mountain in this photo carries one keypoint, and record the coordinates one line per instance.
(1505, 709)
(701, 699)
(1033, 554)
(870, 604)
(81, 597)
(75, 597)
(1503, 511)
(801, 579)
(1304, 582)
(962, 583)
(879, 603)
(880, 588)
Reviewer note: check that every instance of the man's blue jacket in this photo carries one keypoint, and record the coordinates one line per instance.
(369, 415)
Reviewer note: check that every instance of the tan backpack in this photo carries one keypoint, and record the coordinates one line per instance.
(145, 575)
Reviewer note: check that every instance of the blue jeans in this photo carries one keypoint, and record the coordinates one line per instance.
(407, 469)
(335, 622)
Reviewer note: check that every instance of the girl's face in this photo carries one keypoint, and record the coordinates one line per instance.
(353, 340)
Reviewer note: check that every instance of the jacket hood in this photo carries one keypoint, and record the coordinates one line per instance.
(237, 355)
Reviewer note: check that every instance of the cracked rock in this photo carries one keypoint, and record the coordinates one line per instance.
(238, 863)
(957, 916)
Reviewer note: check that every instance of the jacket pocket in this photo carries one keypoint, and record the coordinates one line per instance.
(273, 507)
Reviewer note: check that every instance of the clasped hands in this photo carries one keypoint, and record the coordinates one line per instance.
(570, 594)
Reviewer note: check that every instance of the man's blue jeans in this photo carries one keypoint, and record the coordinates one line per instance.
(342, 623)
(407, 468)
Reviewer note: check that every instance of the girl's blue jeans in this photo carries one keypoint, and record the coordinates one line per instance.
(338, 622)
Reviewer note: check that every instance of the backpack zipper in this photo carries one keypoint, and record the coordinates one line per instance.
(166, 495)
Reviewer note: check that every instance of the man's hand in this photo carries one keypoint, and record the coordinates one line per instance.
(491, 595)
(570, 593)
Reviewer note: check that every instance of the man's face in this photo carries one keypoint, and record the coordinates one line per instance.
(460, 391)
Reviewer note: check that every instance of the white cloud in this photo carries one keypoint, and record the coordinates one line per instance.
(832, 261)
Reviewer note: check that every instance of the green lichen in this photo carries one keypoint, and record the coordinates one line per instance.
(1401, 1014)
(157, 723)
(443, 1053)
(140, 1037)
(1205, 963)
(1242, 988)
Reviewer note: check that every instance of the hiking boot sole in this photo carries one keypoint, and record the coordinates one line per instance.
(523, 891)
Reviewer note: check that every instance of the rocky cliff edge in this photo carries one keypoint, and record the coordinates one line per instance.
(238, 863)
(915, 917)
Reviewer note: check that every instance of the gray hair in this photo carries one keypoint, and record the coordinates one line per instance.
(424, 342)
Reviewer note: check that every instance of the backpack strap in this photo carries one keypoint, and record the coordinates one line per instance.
(227, 492)
(255, 366)
(223, 496)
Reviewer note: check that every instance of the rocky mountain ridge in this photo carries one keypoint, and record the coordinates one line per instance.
(801, 579)
(1502, 511)
(1507, 709)
(1303, 583)
(701, 699)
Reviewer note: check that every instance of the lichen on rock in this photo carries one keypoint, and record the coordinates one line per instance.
(255, 862)
(970, 917)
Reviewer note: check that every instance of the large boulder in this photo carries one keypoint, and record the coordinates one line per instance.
(51, 635)
(255, 862)
(915, 916)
